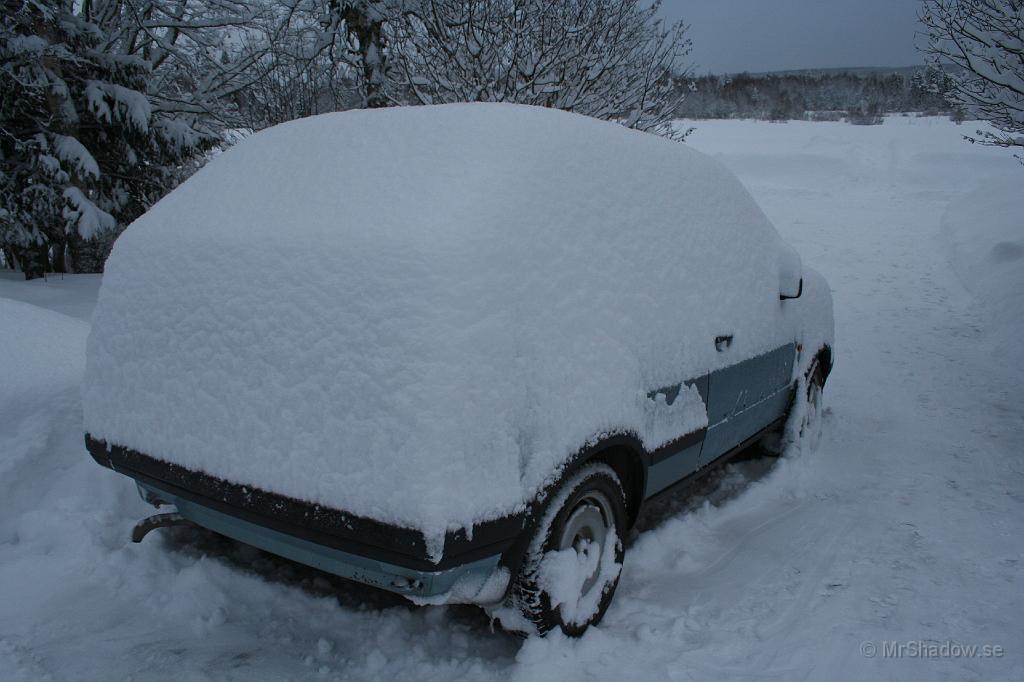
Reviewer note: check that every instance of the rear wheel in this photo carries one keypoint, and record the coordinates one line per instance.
(571, 566)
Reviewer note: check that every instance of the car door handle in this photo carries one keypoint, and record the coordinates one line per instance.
(723, 342)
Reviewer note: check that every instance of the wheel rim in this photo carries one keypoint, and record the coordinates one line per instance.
(586, 530)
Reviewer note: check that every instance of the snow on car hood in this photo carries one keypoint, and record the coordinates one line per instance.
(417, 314)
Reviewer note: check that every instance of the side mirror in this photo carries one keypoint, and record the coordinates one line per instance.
(783, 295)
(791, 274)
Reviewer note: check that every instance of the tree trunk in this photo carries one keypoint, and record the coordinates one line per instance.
(369, 33)
(11, 258)
(60, 258)
(34, 260)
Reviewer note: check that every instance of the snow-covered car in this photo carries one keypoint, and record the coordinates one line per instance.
(449, 351)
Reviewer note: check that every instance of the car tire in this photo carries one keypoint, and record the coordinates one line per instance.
(803, 423)
(571, 565)
(810, 422)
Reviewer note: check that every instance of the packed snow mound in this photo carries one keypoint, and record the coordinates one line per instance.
(416, 314)
(47, 338)
(43, 361)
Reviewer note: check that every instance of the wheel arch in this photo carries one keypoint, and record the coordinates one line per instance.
(823, 358)
(622, 451)
(626, 455)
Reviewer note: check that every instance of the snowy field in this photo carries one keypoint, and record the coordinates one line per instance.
(905, 527)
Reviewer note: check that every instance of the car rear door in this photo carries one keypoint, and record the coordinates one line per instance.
(680, 457)
(745, 397)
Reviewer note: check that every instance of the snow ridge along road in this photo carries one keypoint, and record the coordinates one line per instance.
(906, 526)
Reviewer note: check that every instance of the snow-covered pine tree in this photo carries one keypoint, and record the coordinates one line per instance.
(82, 151)
(929, 89)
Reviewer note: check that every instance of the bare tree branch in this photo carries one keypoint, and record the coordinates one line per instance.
(985, 40)
(611, 59)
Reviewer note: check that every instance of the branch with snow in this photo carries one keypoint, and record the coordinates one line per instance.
(985, 39)
(84, 216)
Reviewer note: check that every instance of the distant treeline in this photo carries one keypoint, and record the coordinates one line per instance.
(859, 98)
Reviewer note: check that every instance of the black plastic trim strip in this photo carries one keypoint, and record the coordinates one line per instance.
(678, 445)
(322, 525)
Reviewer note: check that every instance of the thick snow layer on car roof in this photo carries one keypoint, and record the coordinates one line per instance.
(418, 314)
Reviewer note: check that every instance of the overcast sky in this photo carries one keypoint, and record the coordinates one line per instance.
(775, 35)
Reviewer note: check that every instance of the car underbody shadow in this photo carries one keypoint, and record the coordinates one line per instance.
(351, 595)
(718, 486)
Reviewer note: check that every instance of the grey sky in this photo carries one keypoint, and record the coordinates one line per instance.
(774, 35)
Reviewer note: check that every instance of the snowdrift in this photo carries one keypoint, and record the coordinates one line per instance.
(982, 230)
(43, 361)
(417, 314)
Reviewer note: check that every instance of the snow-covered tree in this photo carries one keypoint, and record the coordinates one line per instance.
(304, 70)
(985, 38)
(83, 151)
(610, 59)
(364, 24)
(201, 53)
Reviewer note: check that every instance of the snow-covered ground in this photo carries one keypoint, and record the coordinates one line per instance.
(905, 526)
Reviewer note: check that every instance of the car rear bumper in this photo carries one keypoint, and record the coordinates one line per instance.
(468, 580)
(389, 557)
